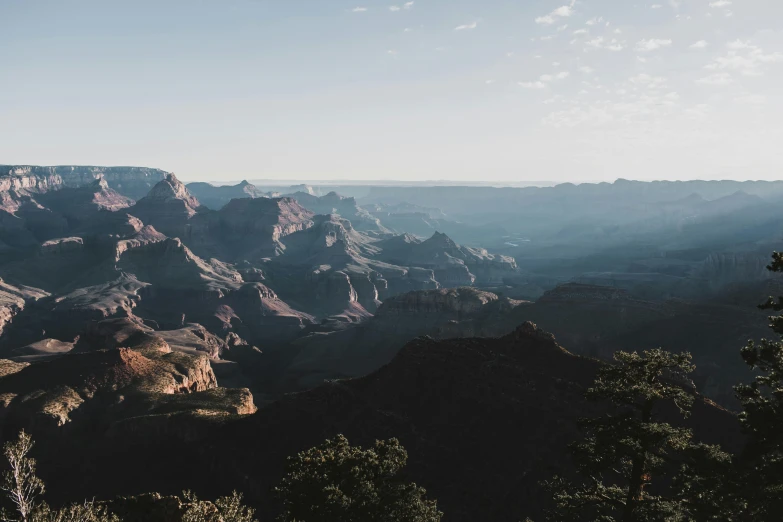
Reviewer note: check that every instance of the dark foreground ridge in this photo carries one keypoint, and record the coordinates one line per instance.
(502, 409)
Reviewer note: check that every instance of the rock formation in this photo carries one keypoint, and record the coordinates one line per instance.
(345, 207)
(168, 207)
(216, 197)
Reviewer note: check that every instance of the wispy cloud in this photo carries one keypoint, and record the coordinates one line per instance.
(745, 58)
(359, 9)
(653, 44)
(533, 85)
(602, 43)
(720, 3)
(561, 12)
(701, 44)
(466, 27)
(406, 6)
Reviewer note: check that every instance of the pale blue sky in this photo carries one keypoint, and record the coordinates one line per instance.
(505, 90)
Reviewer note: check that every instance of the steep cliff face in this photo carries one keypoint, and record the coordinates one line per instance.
(132, 182)
(721, 269)
(16, 188)
(13, 300)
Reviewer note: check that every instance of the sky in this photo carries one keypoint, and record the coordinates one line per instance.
(462, 90)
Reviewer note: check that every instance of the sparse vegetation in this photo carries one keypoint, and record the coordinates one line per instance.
(224, 509)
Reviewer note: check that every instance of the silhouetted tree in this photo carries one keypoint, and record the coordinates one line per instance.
(627, 450)
(337, 482)
(762, 416)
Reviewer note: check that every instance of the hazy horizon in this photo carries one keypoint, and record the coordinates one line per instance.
(566, 90)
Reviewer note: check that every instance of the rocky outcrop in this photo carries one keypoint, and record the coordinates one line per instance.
(46, 395)
(63, 317)
(169, 264)
(331, 240)
(247, 229)
(345, 207)
(142, 236)
(261, 316)
(454, 265)
(62, 246)
(168, 207)
(194, 339)
(446, 301)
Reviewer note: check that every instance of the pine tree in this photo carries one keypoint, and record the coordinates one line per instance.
(762, 416)
(337, 482)
(627, 451)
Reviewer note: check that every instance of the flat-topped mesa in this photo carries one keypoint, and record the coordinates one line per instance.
(28, 183)
(274, 218)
